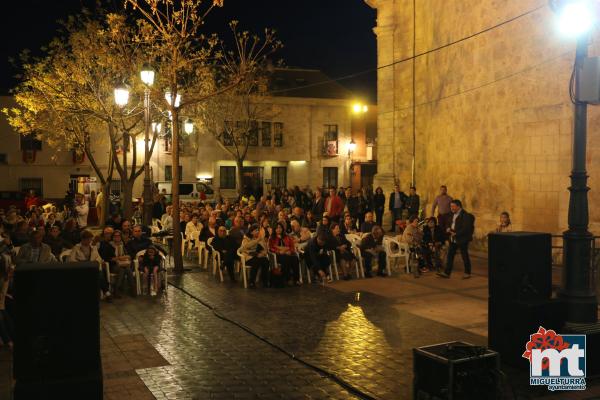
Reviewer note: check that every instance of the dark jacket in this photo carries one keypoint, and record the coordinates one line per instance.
(392, 202)
(412, 204)
(368, 242)
(226, 246)
(379, 201)
(464, 227)
(57, 244)
(106, 251)
(318, 207)
(367, 227)
(433, 236)
(136, 245)
(353, 206)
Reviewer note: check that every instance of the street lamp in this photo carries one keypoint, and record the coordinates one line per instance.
(351, 147)
(147, 76)
(157, 128)
(578, 290)
(168, 97)
(359, 108)
(121, 95)
(188, 126)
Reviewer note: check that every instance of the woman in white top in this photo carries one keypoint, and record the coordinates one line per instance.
(84, 251)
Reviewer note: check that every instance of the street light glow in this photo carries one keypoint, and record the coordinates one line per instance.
(177, 99)
(121, 95)
(351, 146)
(147, 75)
(188, 126)
(359, 108)
(574, 17)
(156, 127)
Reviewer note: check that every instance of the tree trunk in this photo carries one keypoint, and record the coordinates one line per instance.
(240, 174)
(126, 195)
(176, 251)
(105, 210)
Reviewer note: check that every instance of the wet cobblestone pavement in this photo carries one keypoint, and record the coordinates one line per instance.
(358, 337)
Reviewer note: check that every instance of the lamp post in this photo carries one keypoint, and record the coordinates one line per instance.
(578, 289)
(147, 76)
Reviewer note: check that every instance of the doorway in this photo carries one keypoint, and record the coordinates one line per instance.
(252, 181)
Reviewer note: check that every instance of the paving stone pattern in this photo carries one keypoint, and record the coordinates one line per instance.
(210, 358)
(359, 337)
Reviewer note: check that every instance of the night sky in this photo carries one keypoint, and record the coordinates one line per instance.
(332, 35)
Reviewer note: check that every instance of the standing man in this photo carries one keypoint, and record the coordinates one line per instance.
(461, 233)
(334, 206)
(413, 202)
(396, 205)
(318, 207)
(442, 202)
(82, 209)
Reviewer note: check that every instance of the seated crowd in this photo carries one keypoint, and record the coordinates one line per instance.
(275, 234)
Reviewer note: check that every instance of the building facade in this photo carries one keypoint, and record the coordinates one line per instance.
(491, 114)
(305, 143)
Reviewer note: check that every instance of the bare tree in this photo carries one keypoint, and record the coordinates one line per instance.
(191, 67)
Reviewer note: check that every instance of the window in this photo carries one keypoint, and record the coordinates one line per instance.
(278, 134)
(266, 134)
(253, 134)
(3, 158)
(115, 187)
(331, 132)
(279, 177)
(227, 178)
(226, 136)
(30, 142)
(169, 144)
(330, 177)
(35, 184)
(169, 172)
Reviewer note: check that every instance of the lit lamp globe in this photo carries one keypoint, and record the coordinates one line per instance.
(121, 95)
(351, 146)
(573, 17)
(168, 97)
(188, 126)
(147, 75)
(156, 127)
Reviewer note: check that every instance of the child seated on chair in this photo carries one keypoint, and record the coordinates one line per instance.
(151, 263)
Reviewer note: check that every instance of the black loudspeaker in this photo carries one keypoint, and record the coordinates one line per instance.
(520, 265)
(511, 323)
(455, 371)
(57, 345)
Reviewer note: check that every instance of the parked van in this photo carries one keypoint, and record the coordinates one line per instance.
(189, 191)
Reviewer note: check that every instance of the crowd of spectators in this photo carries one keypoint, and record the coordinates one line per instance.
(276, 235)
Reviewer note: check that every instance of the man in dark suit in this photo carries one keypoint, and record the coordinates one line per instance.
(396, 205)
(461, 233)
(318, 207)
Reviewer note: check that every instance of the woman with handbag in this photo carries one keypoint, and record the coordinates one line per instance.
(283, 246)
(254, 249)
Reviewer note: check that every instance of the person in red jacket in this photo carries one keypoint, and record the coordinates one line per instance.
(31, 200)
(334, 206)
(283, 246)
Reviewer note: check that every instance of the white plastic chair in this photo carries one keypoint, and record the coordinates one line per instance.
(243, 267)
(402, 252)
(216, 259)
(355, 240)
(334, 265)
(136, 267)
(302, 260)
